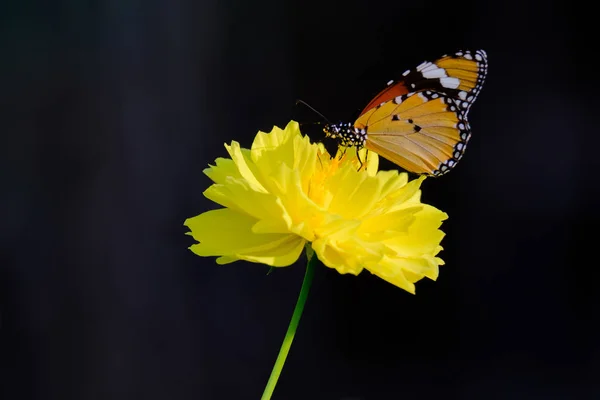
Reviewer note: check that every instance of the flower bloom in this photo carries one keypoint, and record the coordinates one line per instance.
(286, 191)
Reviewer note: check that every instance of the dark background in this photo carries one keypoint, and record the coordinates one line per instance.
(111, 110)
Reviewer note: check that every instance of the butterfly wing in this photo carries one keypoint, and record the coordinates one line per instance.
(421, 132)
(420, 122)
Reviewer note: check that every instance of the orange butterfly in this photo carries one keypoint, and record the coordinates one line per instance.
(420, 122)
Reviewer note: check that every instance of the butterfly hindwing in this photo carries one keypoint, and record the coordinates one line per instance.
(421, 132)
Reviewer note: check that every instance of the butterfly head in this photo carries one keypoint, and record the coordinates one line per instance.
(346, 134)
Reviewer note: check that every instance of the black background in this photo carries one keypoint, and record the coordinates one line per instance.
(109, 113)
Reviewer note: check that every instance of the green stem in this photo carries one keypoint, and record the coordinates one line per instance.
(291, 331)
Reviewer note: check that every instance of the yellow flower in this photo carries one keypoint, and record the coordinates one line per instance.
(286, 191)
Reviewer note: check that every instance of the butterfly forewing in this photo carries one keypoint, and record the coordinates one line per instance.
(420, 122)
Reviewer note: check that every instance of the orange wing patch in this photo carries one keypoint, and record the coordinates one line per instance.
(467, 71)
(393, 90)
(422, 132)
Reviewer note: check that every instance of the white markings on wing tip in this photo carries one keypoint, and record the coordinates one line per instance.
(390, 82)
(429, 67)
(423, 65)
(462, 95)
(406, 72)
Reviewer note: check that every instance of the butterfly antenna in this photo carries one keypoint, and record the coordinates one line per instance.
(311, 108)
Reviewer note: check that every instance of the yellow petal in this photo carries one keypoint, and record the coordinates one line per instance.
(265, 143)
(391, 182)
(354, 193)
(337, 255)
(389, 270)
(423, 234)
(380, 226)
(239, 196)
(244, 167)
(337, 248)
(224, 168)
(227, 233)
(405, 196)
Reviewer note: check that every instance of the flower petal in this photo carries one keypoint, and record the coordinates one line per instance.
(265, 143)
(389, 270)
(423, 236)
(238, 195)
(224, 168)
(227, 233)
(243, 167)
(337, 248)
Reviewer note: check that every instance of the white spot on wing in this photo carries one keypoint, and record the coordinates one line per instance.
(450, 82)
(430, 67)
(390, 82)
(406, 72)
(434, 73)
(423, 65)
(462, 95)
(468, 56)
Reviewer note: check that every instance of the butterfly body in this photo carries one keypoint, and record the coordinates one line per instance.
(420, 121)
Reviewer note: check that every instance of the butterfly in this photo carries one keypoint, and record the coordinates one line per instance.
(419, 122)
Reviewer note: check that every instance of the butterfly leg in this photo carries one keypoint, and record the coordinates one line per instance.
(319, 158)
(358, 156)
